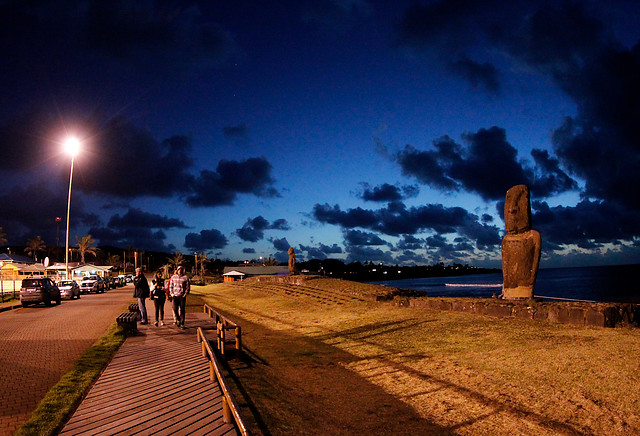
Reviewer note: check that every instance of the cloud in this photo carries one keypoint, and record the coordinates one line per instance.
(250, 176)
(487, 165)
(395, 219)
(249, 250)
(253, 229)
(387, 192)
(281, 244)
(27, 211)
(410, 242)
(358, 237)
(205, 240)
(322, 251)
(136, 237)
(478, 74)
(152, 34)
(358, 253)
(136, 218)
(239, 131)
(589, 224)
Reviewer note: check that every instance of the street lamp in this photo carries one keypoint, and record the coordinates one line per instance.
(71, 146)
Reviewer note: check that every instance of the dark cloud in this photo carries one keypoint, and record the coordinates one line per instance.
(251, 176)
(571, 43)
(488, 166)
(589, 224)
(281, 244)
(116, 157)
(136, 218)
(154, 34)
(249, 250)
(358, 237)
(27, 211)
(253, 229)
(359, 253)
(478, 74)
(387, 192)
(239, 131)
(205, 240)
(321, 251)
(134, 237)
(410, 242)
(396, 219)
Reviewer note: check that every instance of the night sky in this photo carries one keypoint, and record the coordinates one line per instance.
(352, 129)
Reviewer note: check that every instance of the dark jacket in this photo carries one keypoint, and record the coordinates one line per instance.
(158, 291)
(140, 287)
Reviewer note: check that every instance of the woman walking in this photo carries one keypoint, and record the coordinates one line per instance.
(158, 296)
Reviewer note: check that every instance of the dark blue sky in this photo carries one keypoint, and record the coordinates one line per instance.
(353, 129)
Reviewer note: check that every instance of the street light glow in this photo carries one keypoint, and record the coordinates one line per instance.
(72, 146)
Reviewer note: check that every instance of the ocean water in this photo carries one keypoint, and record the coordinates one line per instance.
(602, 283)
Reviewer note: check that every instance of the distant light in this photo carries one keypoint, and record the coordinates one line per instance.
(72, 146)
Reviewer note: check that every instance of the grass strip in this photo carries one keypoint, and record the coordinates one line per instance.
(63, 398)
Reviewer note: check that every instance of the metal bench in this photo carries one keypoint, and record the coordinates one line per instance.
(128, 321)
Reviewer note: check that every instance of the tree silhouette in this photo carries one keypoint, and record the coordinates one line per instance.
(176, 260)
(270, 261)
(85, 246)
(34, 246)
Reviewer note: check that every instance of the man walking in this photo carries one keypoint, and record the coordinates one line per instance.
(141, 292)
(178, 289)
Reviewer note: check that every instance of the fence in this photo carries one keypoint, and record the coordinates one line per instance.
(9, 289)
(230, 408)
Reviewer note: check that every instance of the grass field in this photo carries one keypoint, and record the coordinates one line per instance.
(324, 359)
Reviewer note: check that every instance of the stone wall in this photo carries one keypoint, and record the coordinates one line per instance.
(592, 314)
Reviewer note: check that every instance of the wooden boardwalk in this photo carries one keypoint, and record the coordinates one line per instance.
(157, 383)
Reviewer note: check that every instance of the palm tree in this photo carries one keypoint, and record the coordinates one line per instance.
(3, 236)
(113, 260)
(203, 258)
(85, 246)
(176, 260)
(270, 261)
(34, 246)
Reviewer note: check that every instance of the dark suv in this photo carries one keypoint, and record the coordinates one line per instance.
(39, 290)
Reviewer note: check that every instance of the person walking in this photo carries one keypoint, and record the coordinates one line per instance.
(141, 292)
(158, 296)
(178, 289)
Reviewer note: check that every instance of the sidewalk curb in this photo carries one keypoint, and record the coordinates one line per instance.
(10, 307)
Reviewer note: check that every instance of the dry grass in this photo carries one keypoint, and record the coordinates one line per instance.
(317, 367)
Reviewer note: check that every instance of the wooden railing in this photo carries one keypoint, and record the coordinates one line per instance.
(227, 332)
(230, 409)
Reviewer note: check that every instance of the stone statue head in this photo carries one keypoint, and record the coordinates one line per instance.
(517, 210)
(291, 251)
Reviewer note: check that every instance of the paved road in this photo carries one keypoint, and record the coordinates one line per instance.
(39, 344)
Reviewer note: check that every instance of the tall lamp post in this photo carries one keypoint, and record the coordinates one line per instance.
(72, 146)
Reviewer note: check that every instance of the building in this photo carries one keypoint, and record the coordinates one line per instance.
(239, 273)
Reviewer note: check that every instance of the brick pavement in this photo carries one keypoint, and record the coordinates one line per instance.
(39, 344)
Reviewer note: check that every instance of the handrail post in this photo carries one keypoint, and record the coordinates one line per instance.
(226, 411)
(238, 339)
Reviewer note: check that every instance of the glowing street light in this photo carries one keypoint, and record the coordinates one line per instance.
(71, 146)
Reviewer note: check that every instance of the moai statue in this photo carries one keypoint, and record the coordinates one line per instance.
(292, 261)
(520, 246)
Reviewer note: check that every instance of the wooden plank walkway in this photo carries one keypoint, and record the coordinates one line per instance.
(157, 383)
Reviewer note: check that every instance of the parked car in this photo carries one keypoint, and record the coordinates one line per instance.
(69, 289)
(39, 290)
(92, 283)
(108, 283)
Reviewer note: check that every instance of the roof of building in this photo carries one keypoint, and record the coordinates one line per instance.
(91, 267)
(11, 258)
(256, 270)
